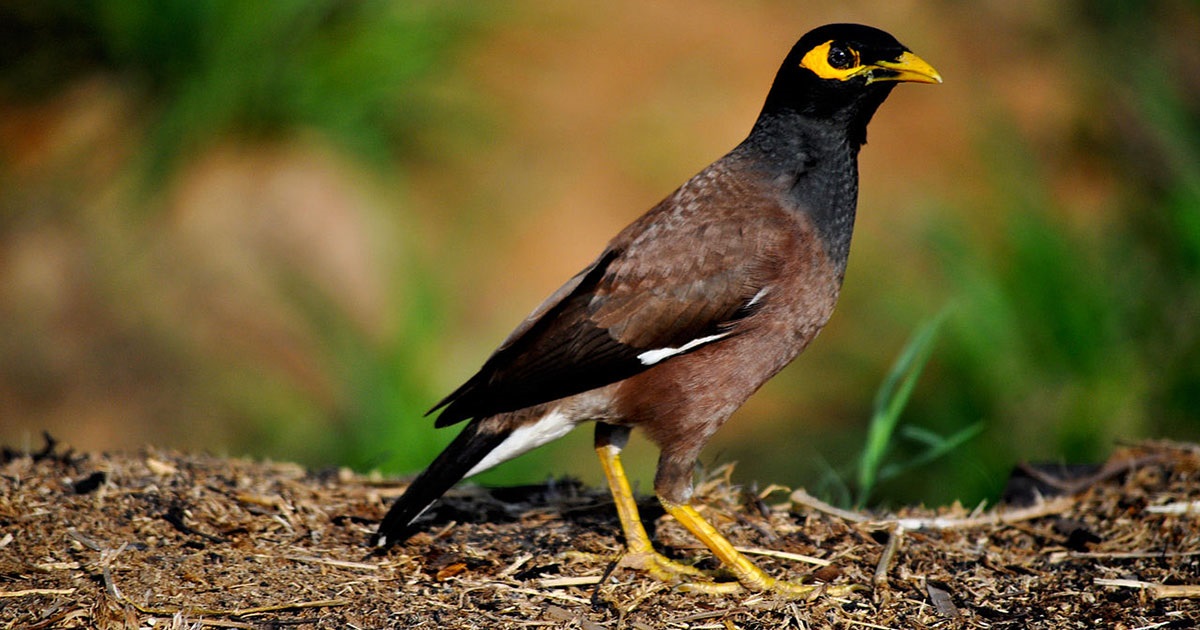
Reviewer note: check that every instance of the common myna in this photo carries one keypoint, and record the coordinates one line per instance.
(692, 307)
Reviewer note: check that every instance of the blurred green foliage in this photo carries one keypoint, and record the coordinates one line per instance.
(206, 71)
(885, 426)
(361, 76)
(1069, 340)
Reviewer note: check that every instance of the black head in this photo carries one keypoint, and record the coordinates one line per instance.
(843, 72)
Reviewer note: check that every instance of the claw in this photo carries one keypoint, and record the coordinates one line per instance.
(659, 566)
(642, 556)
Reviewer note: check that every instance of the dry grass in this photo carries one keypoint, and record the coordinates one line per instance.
(172, 540)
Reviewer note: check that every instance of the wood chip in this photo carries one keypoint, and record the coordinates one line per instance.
(940, 597)
(450, 570)
(160, 467)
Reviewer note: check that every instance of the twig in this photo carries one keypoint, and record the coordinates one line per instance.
(110, 586)
(522, 623)
(1046, 508)
(344, 564)
(83, 540)
(516, 564)
(597, 603)
(1179, 507)
(37, 591)
(772, 489)
(869, 624)
(57, 566)
(803, 498)
(546, 594)
(1110, 469)
(1159, 591)
(1123, 555)
(784, 555)
(1170, 445)
(582, 580)
(698, 616)
(241, 612)
(217, 623)
(800, 625)
(889, 553)
(1152, 626)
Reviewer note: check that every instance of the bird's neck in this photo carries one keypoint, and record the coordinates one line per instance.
(818, 163)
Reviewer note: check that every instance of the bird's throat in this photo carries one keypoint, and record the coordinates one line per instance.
(818, 162)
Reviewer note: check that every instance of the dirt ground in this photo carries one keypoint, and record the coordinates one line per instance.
(171, 540)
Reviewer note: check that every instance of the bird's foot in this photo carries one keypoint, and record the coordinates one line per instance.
(660, 567)
(749, 577)
(693, 580)
(664, 569)
(649, 561)
(765, 584)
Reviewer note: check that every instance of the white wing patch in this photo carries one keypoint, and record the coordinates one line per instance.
(650, 357)
(525, 438)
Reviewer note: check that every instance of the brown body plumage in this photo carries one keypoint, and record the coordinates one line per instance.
(692, 307)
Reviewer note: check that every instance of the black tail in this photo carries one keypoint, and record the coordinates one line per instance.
(468, 449)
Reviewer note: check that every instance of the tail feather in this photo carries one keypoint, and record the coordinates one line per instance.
(467, 450)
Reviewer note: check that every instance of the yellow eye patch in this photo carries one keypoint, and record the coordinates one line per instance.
(817, 60)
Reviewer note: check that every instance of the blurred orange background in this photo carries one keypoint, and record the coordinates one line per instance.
(287, 235)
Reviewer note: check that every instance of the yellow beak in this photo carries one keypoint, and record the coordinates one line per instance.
(908, 67)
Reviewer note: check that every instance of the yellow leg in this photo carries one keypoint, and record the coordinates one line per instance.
(747, 573)
(640, 553)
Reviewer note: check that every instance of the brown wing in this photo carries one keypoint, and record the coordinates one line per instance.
(669, 279)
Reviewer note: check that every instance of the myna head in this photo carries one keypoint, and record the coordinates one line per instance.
(843, 72)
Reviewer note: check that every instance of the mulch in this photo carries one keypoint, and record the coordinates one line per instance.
(173, 540)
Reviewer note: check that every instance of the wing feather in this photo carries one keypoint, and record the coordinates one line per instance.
(668, 279)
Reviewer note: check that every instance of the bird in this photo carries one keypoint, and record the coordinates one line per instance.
(689, 309)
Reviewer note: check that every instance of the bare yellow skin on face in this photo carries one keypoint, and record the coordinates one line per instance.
(908, 67)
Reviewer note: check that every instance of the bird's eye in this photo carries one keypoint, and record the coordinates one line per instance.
(840, 57)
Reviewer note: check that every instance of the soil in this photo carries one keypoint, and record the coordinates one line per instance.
(172, 540)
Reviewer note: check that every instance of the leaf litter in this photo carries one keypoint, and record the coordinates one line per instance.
(161, 539)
